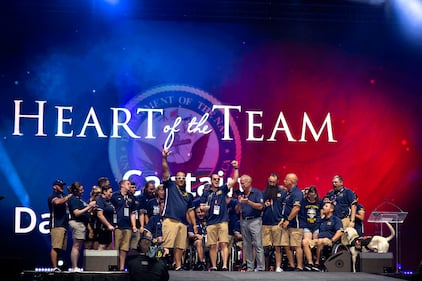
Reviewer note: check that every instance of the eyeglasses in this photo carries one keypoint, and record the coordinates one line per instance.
(180, 178)
(215, 179)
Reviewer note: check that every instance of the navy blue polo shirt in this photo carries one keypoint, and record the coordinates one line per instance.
(342, 200)
(155, 226)
(153, 207)
(293, 198)
(218, 211)
(107, 208)
(77, 203)
(59, 215)
(255, 196)
(124, 207)
(273, 214)
(329, 227)
(200, 225)
(177, 202)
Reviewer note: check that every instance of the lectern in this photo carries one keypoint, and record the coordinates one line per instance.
(391, 217)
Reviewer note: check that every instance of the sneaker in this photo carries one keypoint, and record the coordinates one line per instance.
(258, 270)
(179, 269)
(224, 269)
(298, 269)
(212, 269)
(289, 268)
(308, 267)
(315, 268)
(75, 269)
(278, 269)
(56, 269)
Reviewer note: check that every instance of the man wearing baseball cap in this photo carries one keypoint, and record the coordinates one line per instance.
(59, 220)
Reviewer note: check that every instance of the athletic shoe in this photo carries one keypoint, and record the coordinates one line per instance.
(278, 269)
(308, 267)
(258, 270)
(314, 268)
(76, 269)
(179, 269)
(289, 268)
(224, 269)
(212, 269)
(56, 269)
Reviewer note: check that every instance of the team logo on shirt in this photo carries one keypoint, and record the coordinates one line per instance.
(196, 141)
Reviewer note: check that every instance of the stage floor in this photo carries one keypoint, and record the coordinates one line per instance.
(208, 276)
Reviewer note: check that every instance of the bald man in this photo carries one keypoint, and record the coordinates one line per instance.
(292, 231)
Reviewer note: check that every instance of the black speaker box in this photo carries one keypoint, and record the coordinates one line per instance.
(375, 262)
(104, 260)
(339, 262)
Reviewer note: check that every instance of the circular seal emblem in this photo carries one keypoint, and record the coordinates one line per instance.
(182, 119)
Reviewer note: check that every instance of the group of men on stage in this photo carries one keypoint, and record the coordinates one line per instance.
(282, 217)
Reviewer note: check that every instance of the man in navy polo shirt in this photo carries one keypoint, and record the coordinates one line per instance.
(59, 220)
(213, 202)
(344, 200)
(250, 205)
(178, 206)
(330, 230)
(292, 231)
(126, 220)
(274, 196)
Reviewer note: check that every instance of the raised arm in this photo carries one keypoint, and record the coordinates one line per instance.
(233, 181)
(165, 164)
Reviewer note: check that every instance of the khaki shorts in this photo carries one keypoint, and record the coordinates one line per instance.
(58, 238)
(291, 237)
(175, 234)
(312, 242)
(271, 235)
(78, 229)
(122, 239)
(134, 239)
(326, 241)
(218, 233)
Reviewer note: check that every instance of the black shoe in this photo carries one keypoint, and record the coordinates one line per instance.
(179, 269)
(289, 268)
(308, 267)
(298, 269)
(201, 267)
(224, 269)
(315, 268)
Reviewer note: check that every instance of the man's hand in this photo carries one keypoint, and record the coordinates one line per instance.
(165, 153)
(242, 199)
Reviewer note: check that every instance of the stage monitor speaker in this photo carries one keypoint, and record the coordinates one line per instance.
(339, 262)
(375, 262)
(101, 260)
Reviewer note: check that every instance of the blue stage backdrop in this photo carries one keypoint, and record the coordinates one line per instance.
(85, 97)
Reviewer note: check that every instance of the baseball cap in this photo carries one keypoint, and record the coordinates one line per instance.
(59, 182)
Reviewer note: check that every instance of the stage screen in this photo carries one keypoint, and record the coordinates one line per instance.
(100, 95)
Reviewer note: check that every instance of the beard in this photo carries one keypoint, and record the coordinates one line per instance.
(270, 192)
